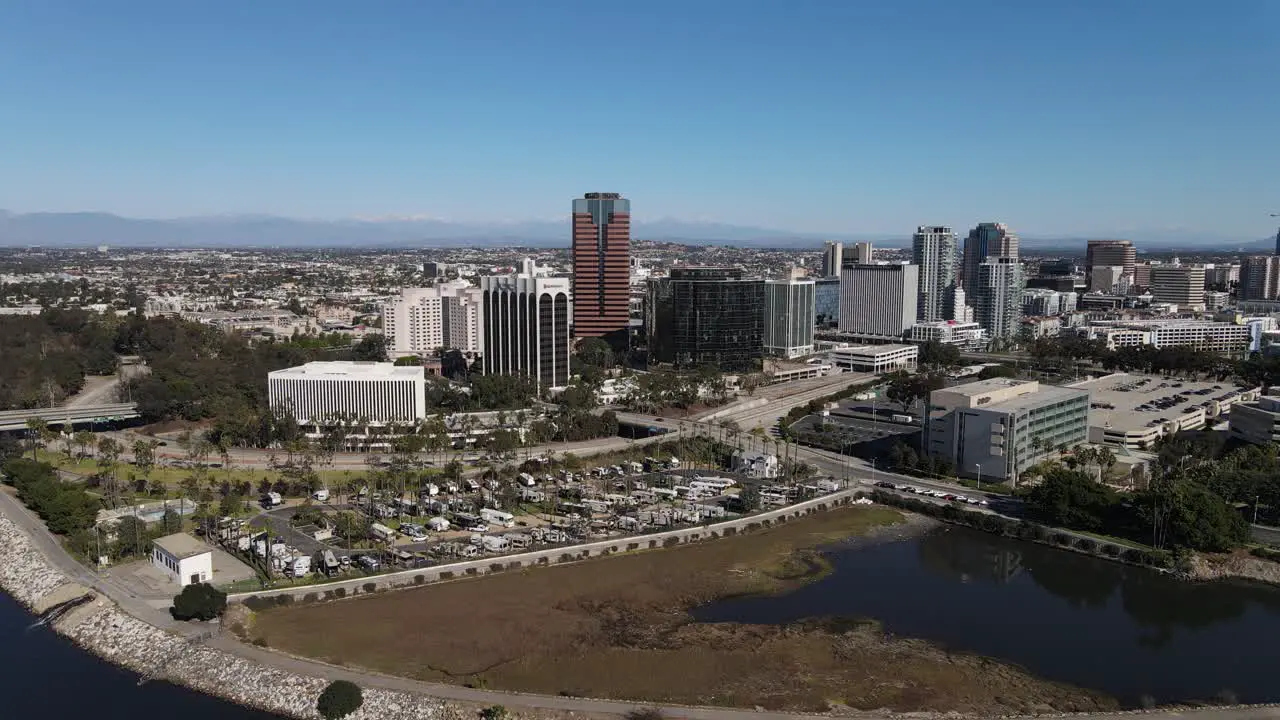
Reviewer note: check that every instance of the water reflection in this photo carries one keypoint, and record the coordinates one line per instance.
(1124, 630)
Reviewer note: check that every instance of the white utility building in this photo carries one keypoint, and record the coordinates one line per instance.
(183, 558)
(378, 393)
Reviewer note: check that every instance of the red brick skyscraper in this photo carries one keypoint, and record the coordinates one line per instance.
(602, 266)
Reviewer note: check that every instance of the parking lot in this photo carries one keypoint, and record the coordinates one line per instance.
(444, 523)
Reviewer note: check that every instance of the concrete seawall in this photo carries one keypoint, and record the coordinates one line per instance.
(106, 630)
(551, 556)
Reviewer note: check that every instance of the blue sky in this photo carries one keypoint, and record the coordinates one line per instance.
(849, 116)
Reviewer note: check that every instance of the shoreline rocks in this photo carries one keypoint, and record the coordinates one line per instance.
(107, 631)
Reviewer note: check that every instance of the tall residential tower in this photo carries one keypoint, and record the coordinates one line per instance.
(601, 265)
(986, 240)
(933, 248)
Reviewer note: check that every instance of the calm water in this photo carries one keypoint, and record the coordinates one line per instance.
(1125, 631)
(45, 676)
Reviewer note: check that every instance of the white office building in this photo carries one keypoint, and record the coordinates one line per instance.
(832, 258)
(789, 317)
(878, 300)
(995, 429)
(370, 393)
(1219, 337)
(997, 297)
(526, 326)
(422, 320)
(875, 358)
(964, 335)
(933, 248)
(1182, 285)
(183, 558)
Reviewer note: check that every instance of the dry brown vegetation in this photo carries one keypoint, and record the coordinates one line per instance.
(619, 627)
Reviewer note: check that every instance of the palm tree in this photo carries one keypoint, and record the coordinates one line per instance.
(37, 429)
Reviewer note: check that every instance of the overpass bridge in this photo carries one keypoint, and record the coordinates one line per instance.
(11, 420)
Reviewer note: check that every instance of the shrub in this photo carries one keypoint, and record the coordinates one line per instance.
(494, 712)
(1132, 555)
(198, 601)
(1111, 550)
(1061, 539)
(328, 594)
(310, 597)
(369, 587)
(633, 546)
(1087, 545)
(649, 713)
(566, 557)
(257, 603)
(340, 592)
(513, 565)
(446, 575)
(671, 542)
(285, 599)
(496, 567)
(419, 579)
(339, 700)
(471, 571)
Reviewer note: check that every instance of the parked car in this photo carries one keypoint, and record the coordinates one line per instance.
(886, 484)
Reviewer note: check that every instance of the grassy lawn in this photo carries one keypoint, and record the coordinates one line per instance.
(171, 477)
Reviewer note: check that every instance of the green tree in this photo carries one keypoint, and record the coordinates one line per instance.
(1070, 498)
(199, 601)
(596, 353)
(907, 388)
(339, 699)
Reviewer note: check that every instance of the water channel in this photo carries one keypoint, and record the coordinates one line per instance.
(46, 676)
(1126, 631)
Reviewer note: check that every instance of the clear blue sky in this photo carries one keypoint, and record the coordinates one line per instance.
(850, 116)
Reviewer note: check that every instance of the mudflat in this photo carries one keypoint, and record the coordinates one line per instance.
(620, 627)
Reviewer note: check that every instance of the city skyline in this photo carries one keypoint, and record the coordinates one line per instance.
(431, 111)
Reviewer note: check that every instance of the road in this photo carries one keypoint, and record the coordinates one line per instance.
(102, 389)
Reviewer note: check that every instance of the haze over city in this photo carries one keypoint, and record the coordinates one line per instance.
(1149, 121)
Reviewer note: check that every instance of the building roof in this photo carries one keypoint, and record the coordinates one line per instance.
(1115, 399)
(182, 545)
(1004, 395)
(874, 350)
(354, 369)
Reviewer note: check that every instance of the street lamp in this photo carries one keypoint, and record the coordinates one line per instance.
(979, 467)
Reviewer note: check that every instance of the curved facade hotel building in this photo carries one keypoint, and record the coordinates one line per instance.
(380, 393)
(526, 326)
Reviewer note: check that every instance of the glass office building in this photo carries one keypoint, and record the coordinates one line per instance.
(706, 316)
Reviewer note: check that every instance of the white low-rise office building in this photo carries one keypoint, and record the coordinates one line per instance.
(367, 393)
(183, 558)
(1256, 422)
(995, 429)
(875, 358)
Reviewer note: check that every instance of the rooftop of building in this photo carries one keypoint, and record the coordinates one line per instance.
(182, 545)
(351, 368)
(1115, 399)
(873, 350)
(1005, 394)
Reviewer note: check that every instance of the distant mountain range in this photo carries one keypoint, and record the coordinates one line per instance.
(89, 229)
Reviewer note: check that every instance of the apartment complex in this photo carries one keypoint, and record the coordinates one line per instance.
(706, 315)
(997, 296)
(995, 429)
(789, 312)
(422, 320)
(964, 335)
(367, 393)
(878, 300)
(526, 328)
(1219, 337)
(601, 265)
(933, 249)
(1259, 278)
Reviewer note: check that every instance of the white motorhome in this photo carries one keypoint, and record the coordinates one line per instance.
(498, 517)
(495, 543)
(382, 532)
(437, 524)
(299, 566)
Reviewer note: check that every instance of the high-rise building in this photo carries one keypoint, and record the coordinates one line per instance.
(827, 302)
(1106, 278)
(933, 248)
(601, 265)
(789, 311)
(1108, 253)
(984, 241)
(878, 300)
(832, 258)
(526, 326)
(1182, 285)
(422, 320)
(706, 316)
(1259, 278)
(863, 253)
(997, 298)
